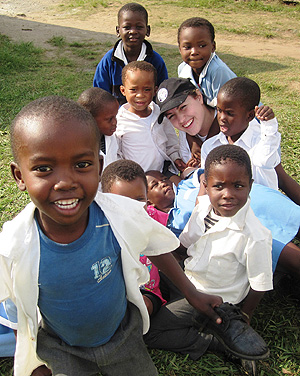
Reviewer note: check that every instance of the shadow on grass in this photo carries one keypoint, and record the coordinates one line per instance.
(243, 66)
(20, 29)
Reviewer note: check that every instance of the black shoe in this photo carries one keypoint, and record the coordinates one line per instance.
(235, 334)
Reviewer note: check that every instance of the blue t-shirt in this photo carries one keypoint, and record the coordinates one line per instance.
(82, 295)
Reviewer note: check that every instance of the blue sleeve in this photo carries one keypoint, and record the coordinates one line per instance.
(102, 77)
(159, 64)
(221, 76)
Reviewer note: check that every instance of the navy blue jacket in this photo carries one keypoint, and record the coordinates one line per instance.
(108, 73)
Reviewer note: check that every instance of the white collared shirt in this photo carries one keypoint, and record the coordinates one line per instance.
(229, 258)
(262, 143)
(120, 53)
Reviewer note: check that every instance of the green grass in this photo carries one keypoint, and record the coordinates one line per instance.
(27, 72)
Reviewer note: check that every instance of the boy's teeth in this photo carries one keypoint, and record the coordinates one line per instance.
(188, 124)
(67, 204)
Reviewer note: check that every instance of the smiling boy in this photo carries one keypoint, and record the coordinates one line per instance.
(72, 255)
(132, 29)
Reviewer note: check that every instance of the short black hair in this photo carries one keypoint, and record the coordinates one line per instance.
(139, 65)
(196, 22)
(234, 153)
(57, 108)
(124, 170)
(243, 90)
(133, 7)
(94, 99)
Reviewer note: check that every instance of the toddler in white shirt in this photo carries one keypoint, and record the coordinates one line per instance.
(141, 138)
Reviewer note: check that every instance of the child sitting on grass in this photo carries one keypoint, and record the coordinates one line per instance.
(104, 108)
(229, 251)
(127, 178)
(132, 29)
(174, 328)
(71, 240)
(141, 138)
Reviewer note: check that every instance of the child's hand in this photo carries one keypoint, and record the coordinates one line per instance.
(264, 113)
(180, 164)
(149, 304)
(193, 162)
(41, 371)
(205, 303)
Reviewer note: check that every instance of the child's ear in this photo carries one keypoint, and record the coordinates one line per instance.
(150, 203)
(155, 90)
(214, 46)
(204, 184)
(118, 31)
(122, 90)
(17, 175)
(250, 185)
(251, 115)
(148, 31)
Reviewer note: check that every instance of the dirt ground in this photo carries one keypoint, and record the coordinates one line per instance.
(40, 20)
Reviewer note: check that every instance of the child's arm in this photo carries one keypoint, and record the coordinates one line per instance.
(102, 78)
(172, 145)
(180, 164)
(287, 184)
(265, 153)
(195, 147)
(202, 302)
(251, 302)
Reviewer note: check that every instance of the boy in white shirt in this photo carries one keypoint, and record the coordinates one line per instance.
(141, 138)
(229, 250)
(237, 105)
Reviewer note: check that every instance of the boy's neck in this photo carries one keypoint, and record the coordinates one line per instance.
(232, 139)
(60, 233)
(142, 114)
(132, 53)
(196, 75)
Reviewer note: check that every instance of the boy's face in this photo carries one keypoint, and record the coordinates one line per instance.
(106, 119)
(196, 46)
(189, 116)
(59, 167)
(132, 29)
(135, 189)
(160, 190)
(139, 89)
(228, 187)
(233, 118)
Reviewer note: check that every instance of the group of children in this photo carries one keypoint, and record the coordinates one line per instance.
(83, 303)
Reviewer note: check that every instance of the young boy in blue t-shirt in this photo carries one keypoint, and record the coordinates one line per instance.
(71, 257)
(132, 29)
